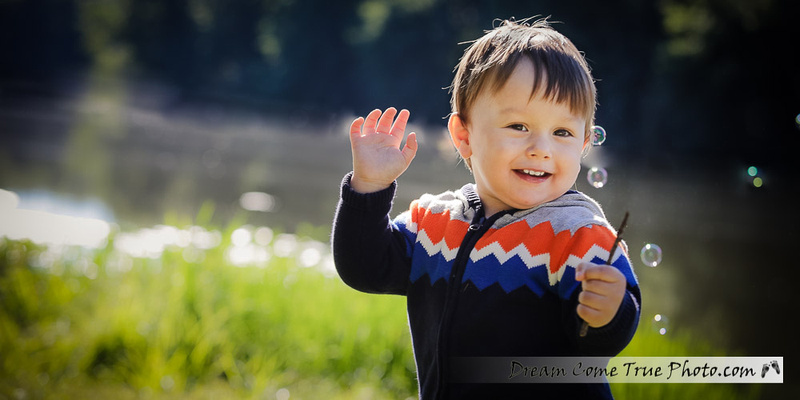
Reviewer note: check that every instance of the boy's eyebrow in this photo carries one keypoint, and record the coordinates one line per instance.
(573, 116)
(511, 110)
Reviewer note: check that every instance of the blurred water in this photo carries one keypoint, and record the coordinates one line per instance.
(49, 218)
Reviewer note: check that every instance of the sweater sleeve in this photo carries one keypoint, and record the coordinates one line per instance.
(369, 251)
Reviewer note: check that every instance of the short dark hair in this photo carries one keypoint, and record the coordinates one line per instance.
(489, 61)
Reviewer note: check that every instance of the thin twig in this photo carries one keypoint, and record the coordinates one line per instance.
(585, 325)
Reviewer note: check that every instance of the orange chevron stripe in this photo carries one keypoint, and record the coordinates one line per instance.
(537, 240)
(586, 237)
(541, 239)
(439, 226)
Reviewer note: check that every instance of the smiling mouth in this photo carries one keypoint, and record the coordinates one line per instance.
(533, 173)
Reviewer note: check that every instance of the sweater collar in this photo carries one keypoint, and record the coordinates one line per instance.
(570, 198)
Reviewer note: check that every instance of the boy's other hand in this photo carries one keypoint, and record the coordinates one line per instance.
(603, 289)
(377, 157)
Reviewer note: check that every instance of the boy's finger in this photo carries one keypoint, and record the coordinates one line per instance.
(399, 127)
(385, 123)
(410, 149)
(605, 273)
(599, 287)
(355, 127)
(589, 299)
(588, 314)
(371, 122)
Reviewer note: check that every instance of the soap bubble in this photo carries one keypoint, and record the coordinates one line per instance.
(597, 177)
(758, 182)
(797, 120)
(660, 324)
(752, 171)
(651, 255)
(598, 135)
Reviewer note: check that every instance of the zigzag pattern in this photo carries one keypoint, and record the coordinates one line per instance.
(514, 255)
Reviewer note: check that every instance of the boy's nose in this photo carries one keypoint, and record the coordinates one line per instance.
(539, 147)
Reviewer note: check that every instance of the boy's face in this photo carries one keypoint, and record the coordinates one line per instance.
(524, 151)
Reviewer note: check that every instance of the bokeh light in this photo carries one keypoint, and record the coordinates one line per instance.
(257, 201)
(660, 324)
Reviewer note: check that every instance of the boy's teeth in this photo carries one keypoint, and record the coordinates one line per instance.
(533, 173)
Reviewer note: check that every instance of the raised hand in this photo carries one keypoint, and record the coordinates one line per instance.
(377, 157)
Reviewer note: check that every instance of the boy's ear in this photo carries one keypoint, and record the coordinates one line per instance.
(587, 145)
(459, 134)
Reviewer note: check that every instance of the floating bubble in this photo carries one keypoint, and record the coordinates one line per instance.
(797, 120)
(752, 171)
(660, 324)
(651, 255)
(599, 135)
(597, 177)
(758, 182)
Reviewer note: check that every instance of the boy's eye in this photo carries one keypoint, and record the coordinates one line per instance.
(563, 133)
(518, 127)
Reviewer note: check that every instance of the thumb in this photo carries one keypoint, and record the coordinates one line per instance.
(410, 149)
(580, 271)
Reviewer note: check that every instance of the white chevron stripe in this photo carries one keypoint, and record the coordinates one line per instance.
(434, 248)
(411, 226)
(521, 251)
(495, 249)
(573, 261)
(404, 219)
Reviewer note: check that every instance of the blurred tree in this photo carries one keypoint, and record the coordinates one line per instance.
(733, 93)
(669, 72)
(39, 38)
(101, 124)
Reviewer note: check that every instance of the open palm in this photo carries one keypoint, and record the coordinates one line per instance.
(377, 157)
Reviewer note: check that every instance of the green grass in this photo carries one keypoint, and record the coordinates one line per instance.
(170, 328)
(649, 343)
(77, 323)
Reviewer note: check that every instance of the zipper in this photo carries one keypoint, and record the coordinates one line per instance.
(476, 230)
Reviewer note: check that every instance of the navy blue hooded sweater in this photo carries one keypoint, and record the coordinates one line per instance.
(502, 286)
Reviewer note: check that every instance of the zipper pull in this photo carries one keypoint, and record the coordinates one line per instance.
(477, 225)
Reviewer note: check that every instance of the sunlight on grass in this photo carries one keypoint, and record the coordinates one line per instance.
(81, 324)
(189, 319)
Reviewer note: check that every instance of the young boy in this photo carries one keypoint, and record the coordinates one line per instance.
(512, 265)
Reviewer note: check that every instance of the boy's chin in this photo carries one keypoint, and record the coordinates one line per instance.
(535, 201)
